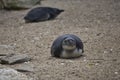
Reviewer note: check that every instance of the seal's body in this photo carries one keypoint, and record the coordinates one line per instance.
(67, 46)
(42, 14)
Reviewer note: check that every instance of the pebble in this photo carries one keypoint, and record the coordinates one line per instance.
(111, 49)
(62, 63)
(96, 64)
(84, 60)
(116, 72)
(105, 51)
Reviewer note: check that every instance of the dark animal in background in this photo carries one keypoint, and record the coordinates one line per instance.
(67, 46)
(42, 14)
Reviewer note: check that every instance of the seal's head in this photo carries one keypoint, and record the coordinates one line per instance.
(69, 44)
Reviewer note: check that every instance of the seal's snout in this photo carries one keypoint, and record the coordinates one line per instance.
(70, 41)
(59, 11)
(62, 10)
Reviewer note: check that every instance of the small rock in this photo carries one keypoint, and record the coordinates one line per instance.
(3, 55)
(96, 64)
(17, 58)
(105, 51)
(11, 74)
(62, 63)
(27, 62)
(111, 50)
(84, 60)
(19, 4)
(25, 68)
(8, 46)
(6, 54)
(5, 49)
(116, 72)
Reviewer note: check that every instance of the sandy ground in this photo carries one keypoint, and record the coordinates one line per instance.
(96, 22)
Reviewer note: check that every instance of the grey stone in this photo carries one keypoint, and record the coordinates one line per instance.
(20, 4)
(6, 54)
(2, 55)
(25, 68)
(8, 46)
(11, 74)
(17, 58)
(6, 49)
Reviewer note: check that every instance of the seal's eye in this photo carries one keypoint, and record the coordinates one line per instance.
(64, 42)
